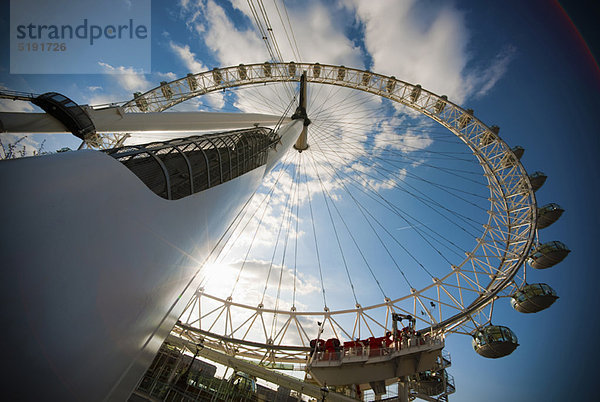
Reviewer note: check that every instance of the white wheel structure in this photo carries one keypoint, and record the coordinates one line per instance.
(451, 167)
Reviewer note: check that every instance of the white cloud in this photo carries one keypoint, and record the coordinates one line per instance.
(423, 45)
(412, 41)
(101, 99)
(486, 79)
(316, 29)
(7, 105)
(390, 135)
(187, 57)
(127, 77)
(231, 46)
(210, 102)
(320, 36)
(221, 277)
(167, 76)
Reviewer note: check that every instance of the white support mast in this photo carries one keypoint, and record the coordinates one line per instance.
(115, 120)
(98, 268)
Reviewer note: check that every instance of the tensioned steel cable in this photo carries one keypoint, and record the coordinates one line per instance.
(294, 49)
(449, 171)
(388, 160)
(272, 260)
(362, 209)
(445, 188)
(362, 254)
(336, 236)
(264, 35)
(292, 30)
(425, 199)
(415, 225)
(269, 28)
(407, 222)
(377, 198)
(312, 220)
(232, 229)
(248, 252)
(405, 216)
(286, 241)
(453, 172)
(299, 161)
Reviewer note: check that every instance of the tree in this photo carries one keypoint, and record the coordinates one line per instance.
(17, 150)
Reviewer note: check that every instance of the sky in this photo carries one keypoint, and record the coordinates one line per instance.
(523, 66)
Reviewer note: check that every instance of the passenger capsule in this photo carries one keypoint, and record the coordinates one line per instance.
(292, 69)
(511, 157)
(440, 104)
(140, 101)
(432, 383)
(267, 69)
(242, 73)
(217, 76)
(391, 84)
(508, 160)
(487, 137)
(316, 70)
(548, 214)
(533, 298)
(366, 79)
(166, 90)
(192, 83)
(494, 341)
(341, 74)
(518, 151)
(465, 118)
(415, 93)
(548, 254)
(537, 180)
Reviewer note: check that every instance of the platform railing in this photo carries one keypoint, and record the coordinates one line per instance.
(370, 351)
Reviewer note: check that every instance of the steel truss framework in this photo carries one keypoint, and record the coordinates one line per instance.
(177, 168)
(470, 287)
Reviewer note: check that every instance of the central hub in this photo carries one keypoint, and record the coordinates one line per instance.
(300, 113)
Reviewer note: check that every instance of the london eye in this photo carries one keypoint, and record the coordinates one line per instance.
(320, 227)
(394, 219)
(484, 230)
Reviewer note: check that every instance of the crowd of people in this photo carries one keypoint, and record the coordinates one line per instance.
(333, 349)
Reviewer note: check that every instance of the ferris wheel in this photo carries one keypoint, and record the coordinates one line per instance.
(395, 201)
(397, 218)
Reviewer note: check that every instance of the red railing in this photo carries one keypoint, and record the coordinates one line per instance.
(371, 347)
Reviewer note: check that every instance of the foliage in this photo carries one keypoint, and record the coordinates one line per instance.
(18, 150)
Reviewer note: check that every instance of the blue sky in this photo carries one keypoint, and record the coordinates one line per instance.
(114, 30)
(520, 65)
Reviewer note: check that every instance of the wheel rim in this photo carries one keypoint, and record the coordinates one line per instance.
(500, 250)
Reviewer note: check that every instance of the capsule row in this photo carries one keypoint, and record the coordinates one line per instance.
(495, 341)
